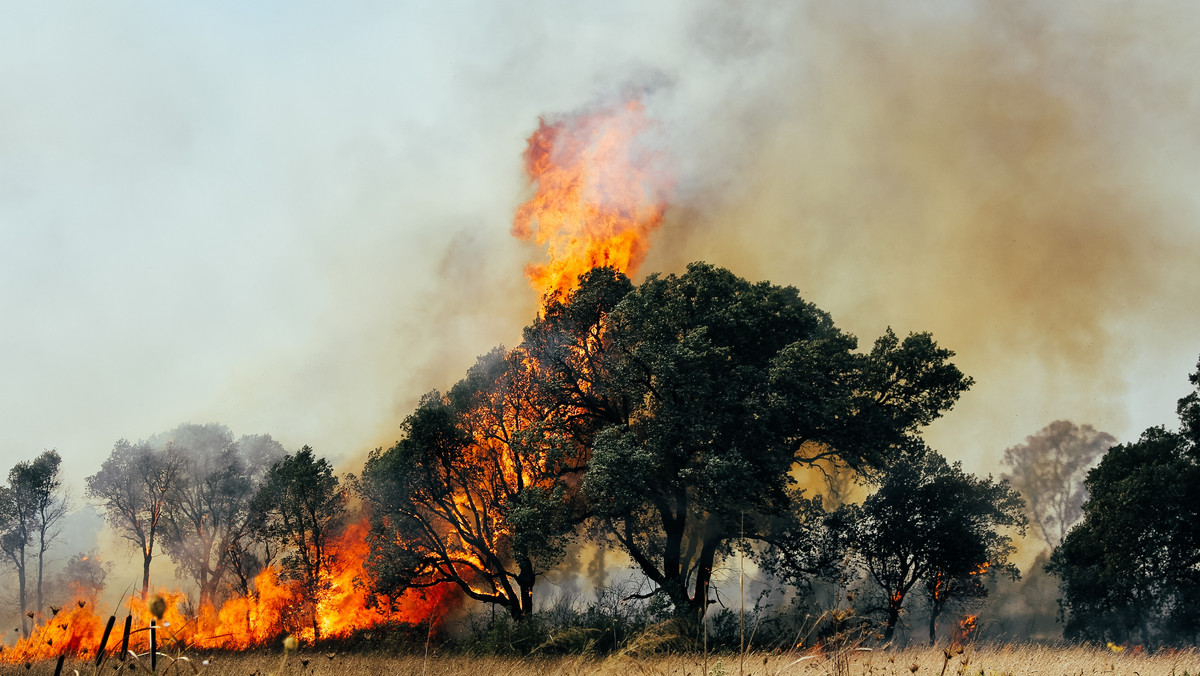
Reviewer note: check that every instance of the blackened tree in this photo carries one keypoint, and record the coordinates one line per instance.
(302, 507)
(1049, 469)
(34, 505)
(132, 487)
(1130, 570)
(727, 387)
(930, 524)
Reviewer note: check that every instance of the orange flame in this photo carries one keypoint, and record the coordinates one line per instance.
(966, 627)
(600, 192)
(244, 621)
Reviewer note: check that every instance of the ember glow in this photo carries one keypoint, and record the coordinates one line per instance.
(966, 628)
(600, 190)
(273, 608)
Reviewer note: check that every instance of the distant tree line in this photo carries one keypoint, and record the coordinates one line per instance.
(221, 509)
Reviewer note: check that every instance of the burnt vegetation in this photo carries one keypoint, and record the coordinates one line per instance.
(683, 425)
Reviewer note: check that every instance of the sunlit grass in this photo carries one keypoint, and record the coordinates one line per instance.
(995, 660)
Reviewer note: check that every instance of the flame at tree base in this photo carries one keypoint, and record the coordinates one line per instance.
(274, 608)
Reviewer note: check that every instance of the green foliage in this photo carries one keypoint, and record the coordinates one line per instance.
(728, 386)
(301, 507)
(1130, 570)
(681, 408)
(32, 507)
(929, 523)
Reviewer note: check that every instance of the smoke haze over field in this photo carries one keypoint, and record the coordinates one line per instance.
(295, 221)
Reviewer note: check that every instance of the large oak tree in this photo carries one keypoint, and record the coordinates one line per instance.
(729, 386)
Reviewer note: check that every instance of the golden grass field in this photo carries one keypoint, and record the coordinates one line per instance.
(988, 660)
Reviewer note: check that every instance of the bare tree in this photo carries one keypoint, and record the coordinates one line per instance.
(1048, 470)
(34, 506)
(208, 515)
(132, 486)
(83, 578)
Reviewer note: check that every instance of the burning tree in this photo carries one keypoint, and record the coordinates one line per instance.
(484, 487)
(302, 506)
(82, 578)
(930, 523)
(208, 517)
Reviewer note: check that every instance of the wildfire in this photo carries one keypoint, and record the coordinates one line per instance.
(966, 627)
(242, 621)
(600, 192)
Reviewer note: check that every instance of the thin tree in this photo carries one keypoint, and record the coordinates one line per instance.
(208, 510)
(302, 506)
(1049, 469)
(132, 487)
(35, 506)
(14, 542)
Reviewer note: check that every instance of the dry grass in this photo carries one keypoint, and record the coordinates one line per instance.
(1012, 660)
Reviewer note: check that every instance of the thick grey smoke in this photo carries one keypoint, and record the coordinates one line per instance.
(1013, 176)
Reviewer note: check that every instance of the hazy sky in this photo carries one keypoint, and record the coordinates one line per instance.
(293, 218)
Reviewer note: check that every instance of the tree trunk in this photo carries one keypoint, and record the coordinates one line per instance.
(934, 612)
(704, 568)
(25, 624)
(526, 576)
(893, 616)
(146, 558)
(41, 568)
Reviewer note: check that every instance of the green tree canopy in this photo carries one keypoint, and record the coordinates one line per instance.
(33, 507)
(727, 386)
(302, 506)
(1130, 570)
(931, 526)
